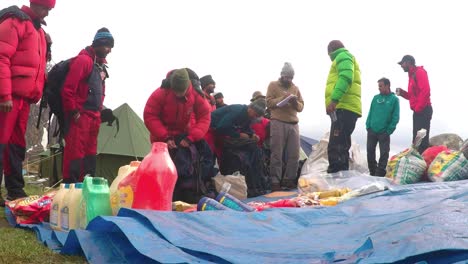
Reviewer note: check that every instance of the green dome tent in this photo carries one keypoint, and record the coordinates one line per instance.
(115, 148)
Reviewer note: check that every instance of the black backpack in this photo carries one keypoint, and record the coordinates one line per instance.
(52, 95)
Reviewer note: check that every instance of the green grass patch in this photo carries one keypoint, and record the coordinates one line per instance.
(21, 245)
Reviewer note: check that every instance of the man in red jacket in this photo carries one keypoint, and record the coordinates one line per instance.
(23, 52)
(419, 96)
(82, 98)
(209, 85)
(260, 125)
(178, 114)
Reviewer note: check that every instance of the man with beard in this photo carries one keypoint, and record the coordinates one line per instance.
(82, 98)
(284, 101)
(381, 122)
(208, 86)
(419, 96)
(219, 98)
(23, 49)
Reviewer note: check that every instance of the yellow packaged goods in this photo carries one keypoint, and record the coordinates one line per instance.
(331, 201)
(312, 183)
(448, 166)
(325, 198)
(180, 206)
(333, 193)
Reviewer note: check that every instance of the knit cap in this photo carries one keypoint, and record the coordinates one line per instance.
(180, 80)
(256, 95)
(206, 80)
(288, 70)
(47, 3)
(218, 95)
(103, 37)
(259, 106)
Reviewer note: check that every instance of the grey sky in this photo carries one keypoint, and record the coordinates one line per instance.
(243, 45)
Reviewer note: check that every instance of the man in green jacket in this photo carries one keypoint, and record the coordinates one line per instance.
(343, 104)
(382, 120)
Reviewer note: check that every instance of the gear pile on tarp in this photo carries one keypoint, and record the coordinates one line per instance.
(437, 163)
(346, 217)
(408, 223)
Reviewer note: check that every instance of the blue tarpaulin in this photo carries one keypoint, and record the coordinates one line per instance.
(307, 143)
(407, 224)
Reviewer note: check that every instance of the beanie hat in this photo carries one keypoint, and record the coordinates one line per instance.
(256, 95)
(287, 70)
(103, 38)
(206, 80)
(334, 45)
(218, 95)
(258, 106)
(180, 80)
(47, 3)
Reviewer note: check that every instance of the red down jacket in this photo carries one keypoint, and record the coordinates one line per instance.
(75, 88)
(167, 116)
(22, 58)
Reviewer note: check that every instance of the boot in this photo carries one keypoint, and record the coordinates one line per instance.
(289, 184)
(16, 195)
(275, 187)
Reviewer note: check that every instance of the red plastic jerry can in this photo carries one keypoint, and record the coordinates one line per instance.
(157, 176)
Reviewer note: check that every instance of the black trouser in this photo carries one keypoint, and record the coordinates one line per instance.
(12, 157)
(384, 145)
(422, 120)
(340, 140)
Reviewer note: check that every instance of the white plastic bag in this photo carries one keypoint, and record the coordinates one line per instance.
(238, 186)
(317, 163)
(343, 179)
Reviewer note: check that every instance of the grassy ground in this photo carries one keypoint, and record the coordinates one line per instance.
(21, 245)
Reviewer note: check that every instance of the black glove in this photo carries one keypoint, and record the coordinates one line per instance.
(107, 116)
(179, 138)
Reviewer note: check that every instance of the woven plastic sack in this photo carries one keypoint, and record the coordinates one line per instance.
(431, 153)
(449, 165)
(408, 166)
